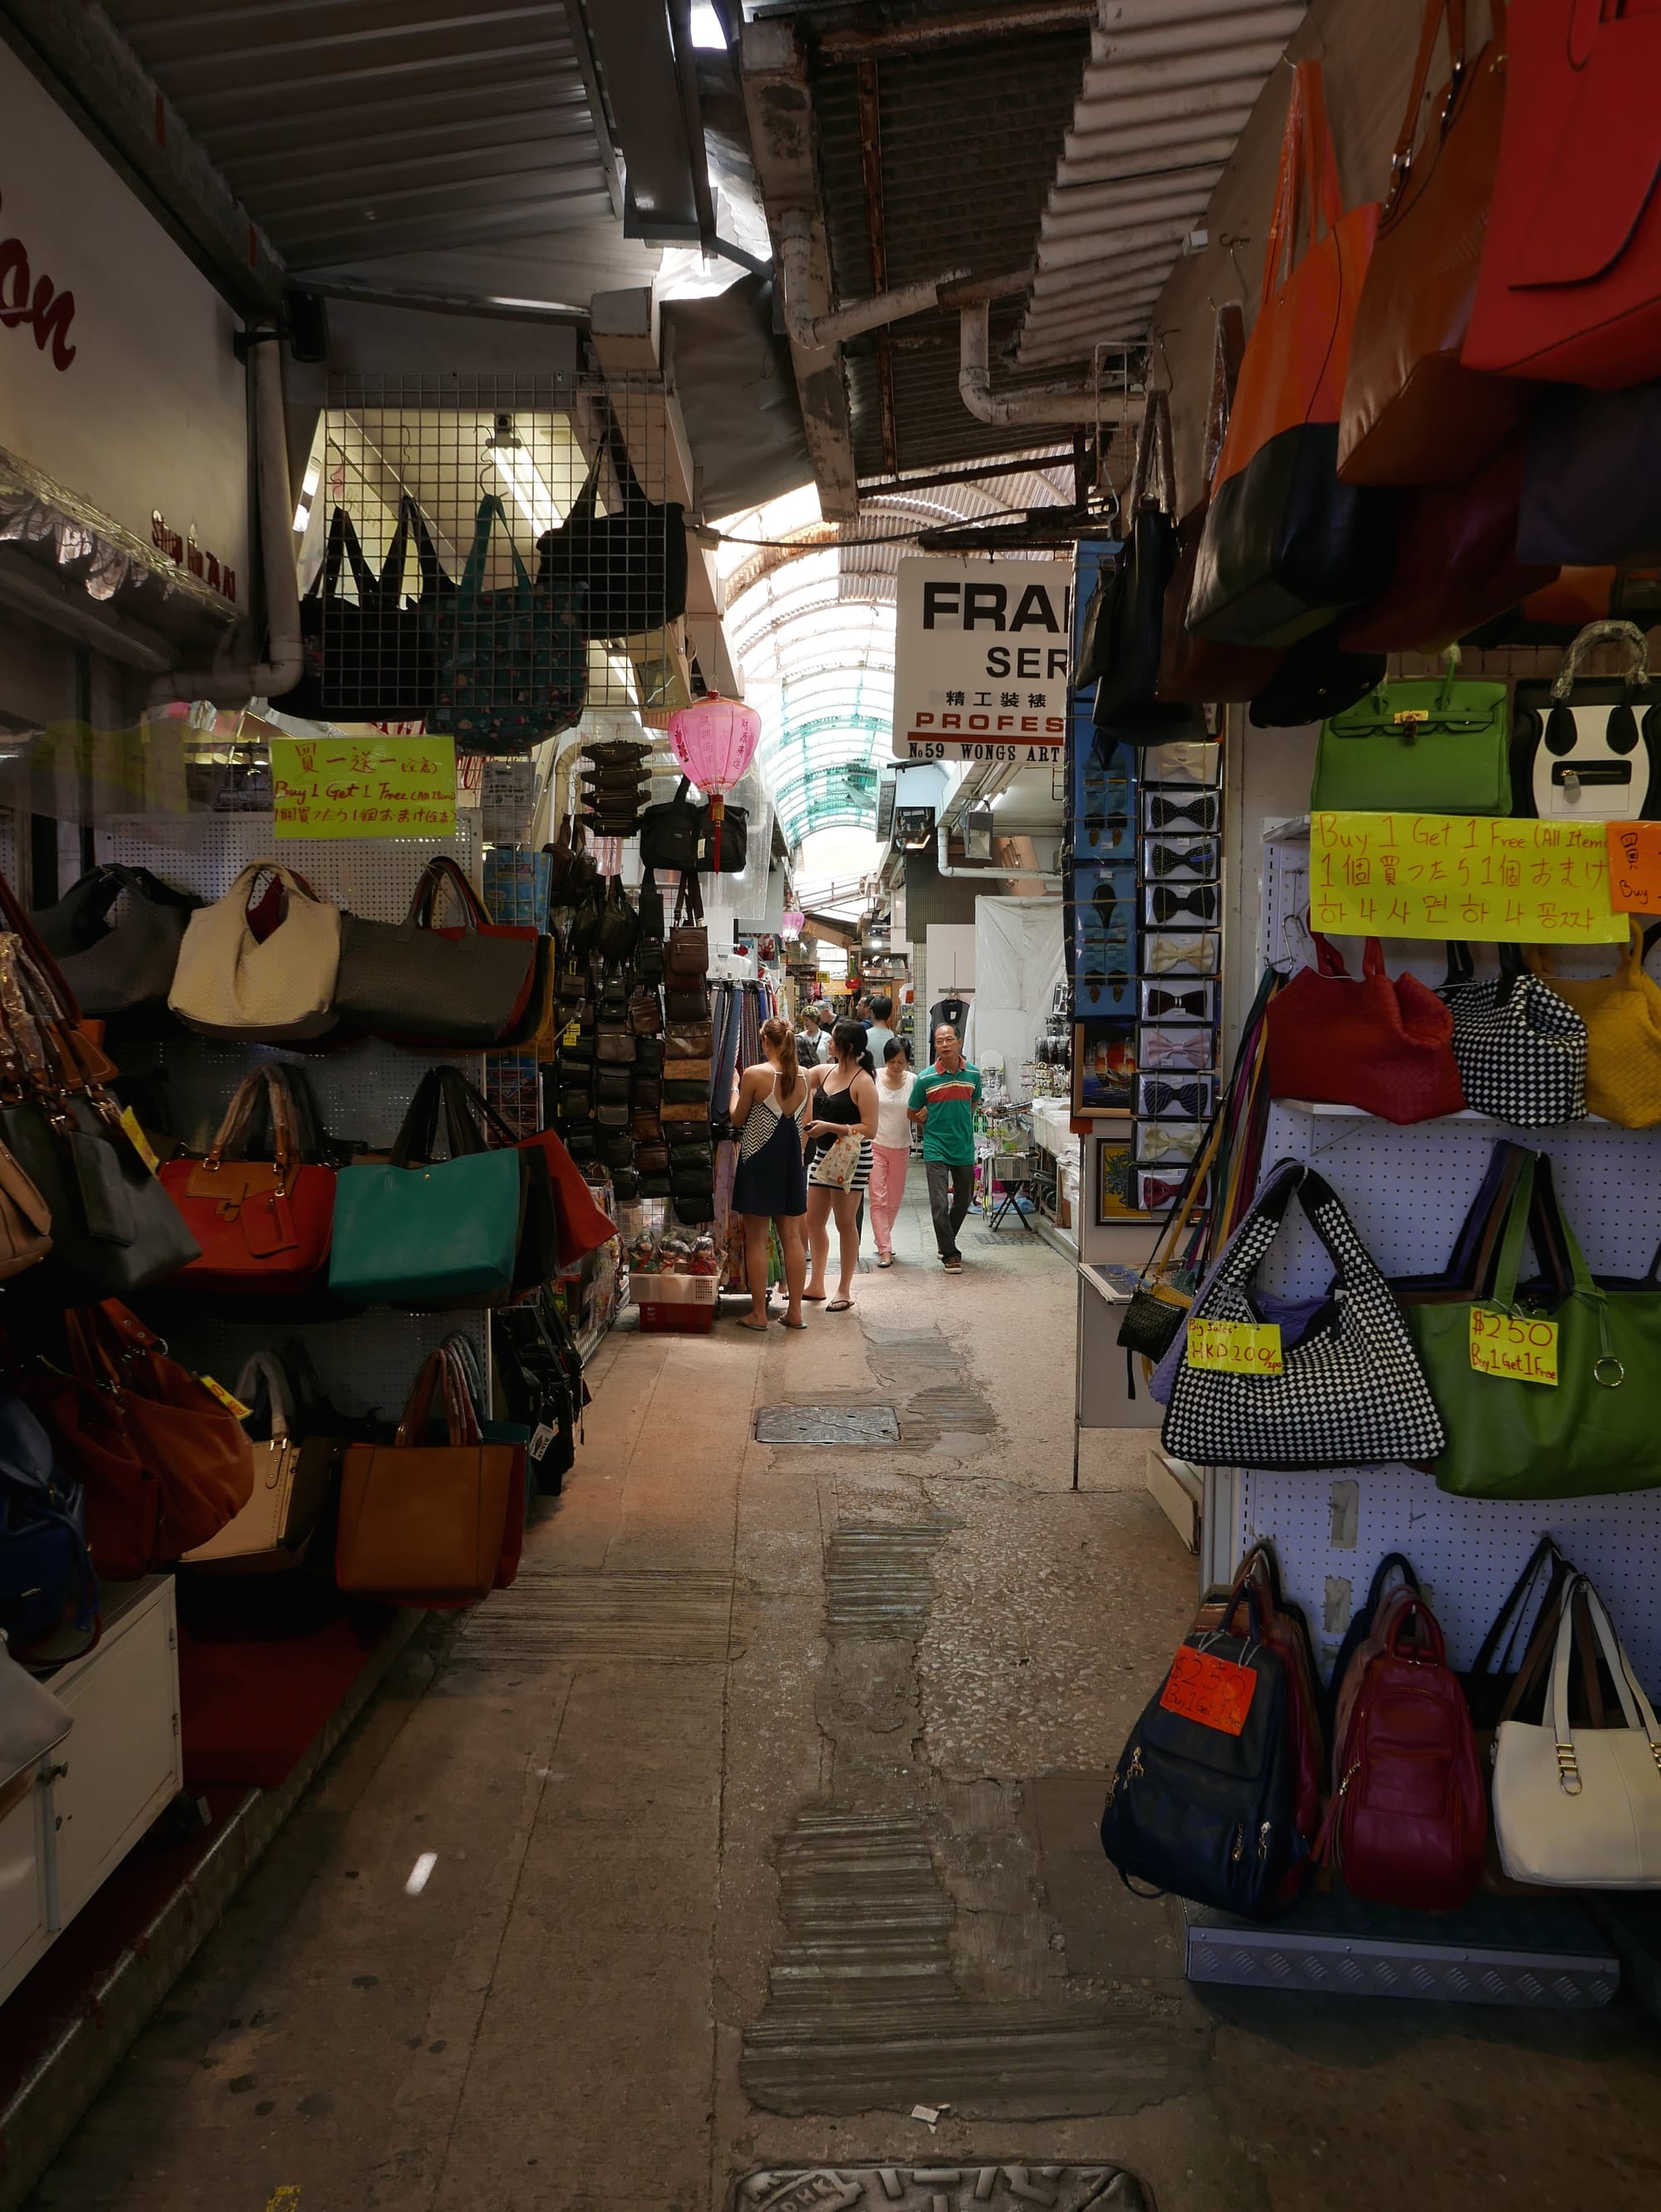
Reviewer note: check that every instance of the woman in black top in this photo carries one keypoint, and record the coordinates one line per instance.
(841, 1103)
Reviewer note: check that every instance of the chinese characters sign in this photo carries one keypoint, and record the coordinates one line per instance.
(364, 787)
(1484, 877)
(1635, 866)
(981, 659)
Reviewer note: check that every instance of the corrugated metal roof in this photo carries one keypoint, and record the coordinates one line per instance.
(1167, 92)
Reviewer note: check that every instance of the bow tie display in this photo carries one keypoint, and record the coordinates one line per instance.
(1160, 1096)
(1193, 761)
(1184, 856)
(1158, 1191)
(1195, 1003)
(1199, 812)
(1175, 1048)
(1165, 904)
(1195, 955)
(1169, 1140)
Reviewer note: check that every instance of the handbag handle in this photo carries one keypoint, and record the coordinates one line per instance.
(1228, 350)
(1153, 480)
(235, 1129)
(1401, 160)
(1522, 1208)
(491, 511)
(1635, 1706)
(1416, 1614)
(438, 1371)
(435, 878)
(265, 1367)
(1512, 1613)
(1308, 170)
(1604, 633)
(16, 919)
(690, 899)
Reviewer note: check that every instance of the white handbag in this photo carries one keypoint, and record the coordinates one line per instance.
(1581, 1808)
(271, 1532)
(227, 984)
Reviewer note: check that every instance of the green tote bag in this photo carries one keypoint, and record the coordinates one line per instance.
(1597, 1429)
(1421, 746)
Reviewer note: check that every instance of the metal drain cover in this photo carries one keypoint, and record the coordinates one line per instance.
(942, 2189)
(826, 1424)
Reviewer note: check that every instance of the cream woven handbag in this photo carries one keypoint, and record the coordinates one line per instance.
(227, 984)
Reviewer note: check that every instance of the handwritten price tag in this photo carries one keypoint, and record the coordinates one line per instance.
(140, 1143)
(1634, 866)
(232, 1405)
(1214, 1691)
(1516, 1348)
(1235, 1347)
(1495, 878)
(364, 787)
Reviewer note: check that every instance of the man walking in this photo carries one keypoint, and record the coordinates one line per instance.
(943, 1099)
(878, 1032)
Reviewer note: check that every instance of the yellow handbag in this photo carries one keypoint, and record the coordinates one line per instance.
(1623, 1015)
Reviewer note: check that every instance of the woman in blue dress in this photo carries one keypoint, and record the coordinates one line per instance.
(770, 1182)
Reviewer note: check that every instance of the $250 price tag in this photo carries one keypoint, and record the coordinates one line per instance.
(1235, 1347)
(1215, 1693)
(1516, 1347)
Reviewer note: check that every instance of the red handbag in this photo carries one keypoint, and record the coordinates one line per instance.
(1409, 1825)
(1570, 287)
(1385, 1045)
(263, 1225)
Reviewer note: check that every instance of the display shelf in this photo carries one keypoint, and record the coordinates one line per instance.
(1537, 1133)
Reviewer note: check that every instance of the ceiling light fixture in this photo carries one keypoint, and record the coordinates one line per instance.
(524, 479)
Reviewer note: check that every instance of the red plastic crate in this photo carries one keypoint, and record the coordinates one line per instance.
(674, 1320)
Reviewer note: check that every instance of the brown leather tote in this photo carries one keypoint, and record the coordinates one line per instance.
(424, 1521)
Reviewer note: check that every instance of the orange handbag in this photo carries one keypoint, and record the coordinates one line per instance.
(1285, 546)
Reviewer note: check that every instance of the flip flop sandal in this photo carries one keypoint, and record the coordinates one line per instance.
(809, 1299)
(840, 1305)
(783, 1323)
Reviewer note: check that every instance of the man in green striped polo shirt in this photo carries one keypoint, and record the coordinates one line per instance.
(943, 1099)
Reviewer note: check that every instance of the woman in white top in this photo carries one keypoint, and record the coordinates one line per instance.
(770, 1179)
(891, 1152)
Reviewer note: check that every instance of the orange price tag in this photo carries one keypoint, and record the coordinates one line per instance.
(1634, 866)
(1215, 1693)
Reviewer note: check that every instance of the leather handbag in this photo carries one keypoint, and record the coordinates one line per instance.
(1194, 668)
(422, 1231)
(47, 1576)
(228, 983)
(420, 1521)
(447, 987)
(370, 658)
(670, 832)
(1590, 494)
(1589, 748)
(686, 951)
(1537, 1593)
(1419, 746)
(292, 1477)
(1520, 1047)
(615, 1046)
(1570, 289)
(1413, 412)
(1578, 1806)
(689, 1040)
(646, 1014)
(1383, 1044)
(1158, 1304)
(118, 968)
(463, 1356)
(1316, 679)
(1286, 545)
(25, 1220)
(512, 662)
(1201, 1800)
(651, 1159)
(1352, 1392)
(1595, 1431)
(1409, 1826)
(685, 1011)
(624, 571)
(1134, 585)
(571, 869)
(1622, 1018)
(619, 926)
(263, 1226)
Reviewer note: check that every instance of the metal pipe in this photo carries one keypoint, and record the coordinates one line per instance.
(234, 684)
(815, 333)
(990, 870)
(1015, 19)
(1044, 402)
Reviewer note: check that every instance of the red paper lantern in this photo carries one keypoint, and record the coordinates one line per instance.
(714, 740)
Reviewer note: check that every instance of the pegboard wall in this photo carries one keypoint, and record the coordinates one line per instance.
(1407, 1190)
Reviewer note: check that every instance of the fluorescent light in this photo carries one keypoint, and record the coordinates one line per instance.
(522, 477)
(302, 516)
(707, 27)
(420, 1873)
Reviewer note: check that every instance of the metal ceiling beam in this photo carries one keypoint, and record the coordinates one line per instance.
(97, 80)
(661, 143)
(1017, 19)
(870, 156)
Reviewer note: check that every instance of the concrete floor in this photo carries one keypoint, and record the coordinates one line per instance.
(764, 1807)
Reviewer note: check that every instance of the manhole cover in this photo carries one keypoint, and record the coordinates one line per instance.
(826, 1424)
(942, 2189)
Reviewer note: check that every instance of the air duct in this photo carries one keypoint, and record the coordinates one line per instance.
(814, 333)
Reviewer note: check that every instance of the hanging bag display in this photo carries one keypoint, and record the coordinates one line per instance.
(1384, 1044)
(1418, 746)
(1590, 493)
(619, 926)
(1413, 412)
(370, 658)
(1594, 1432)
(686, 954)
(1623, 1016)
(118, 968)
(1570, 287)
(1578, 1806)
(269, 1535)
(46, 1575)
(1130, 619)
(443, 987)
(671, 832)
(229, 983)
(1519, 1047)
(263, 1226)
(1588, 748)
(1286, 545)
(1352, 1392)
(625, 571)
(512, 663)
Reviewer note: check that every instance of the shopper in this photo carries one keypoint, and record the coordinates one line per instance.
(878, 1035)
(771, 1181)
(844, 1100)
(891, 1151)
(943, 1099)
(810, 1044)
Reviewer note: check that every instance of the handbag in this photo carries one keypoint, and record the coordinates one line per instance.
(1418, 746)
(618, 928)
(512, 663)
(1519, 1047)
(571, 869)
(671, 833)
(625, 571)
(1134, 584)
(615, 1046)
(421, 1231)
(449, 987)
(1383, 1044)
(1589, 748)
(1351, 1393)
(1579, 1807)
(689, 1040)
(1160, 1302)
(1488, 1688)
(1589, 490)
(291, 1484)
(1316, 679)
(1286, 545)
(369, 659)
(1623, 1016)
(837, 1165)
(1409, 1826)
(228, 983)
(426, 1521)
(1414, 413)
(1595, 1431)
(1201, 1800)
(118, 968)
(540, 1393)
(47, 1576)
(646, 1014)
(1570, 289)
(263, 1227)
(1192, 668)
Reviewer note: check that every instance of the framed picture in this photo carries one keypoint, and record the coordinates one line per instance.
(1116, 1182)
(1104, 1063)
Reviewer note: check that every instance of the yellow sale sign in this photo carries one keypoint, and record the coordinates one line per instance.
(1235, 1347)
(372, 786)
(1516, 1347)
(1492, 878)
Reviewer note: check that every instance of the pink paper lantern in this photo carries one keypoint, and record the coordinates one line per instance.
(793, 922)
(714, 740)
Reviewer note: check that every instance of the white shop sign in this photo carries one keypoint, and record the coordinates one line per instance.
(117, 376)
(981, 650)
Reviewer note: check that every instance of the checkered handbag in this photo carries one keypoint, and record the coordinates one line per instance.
(1353, 1391)
(1520, 1048)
